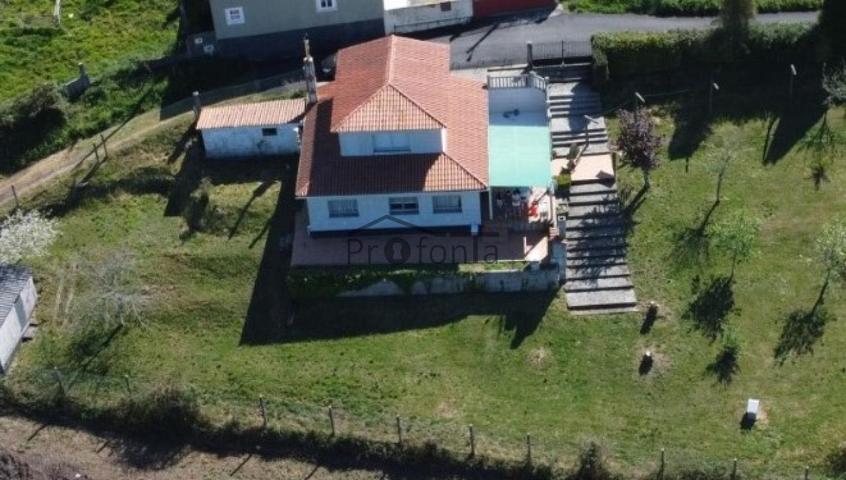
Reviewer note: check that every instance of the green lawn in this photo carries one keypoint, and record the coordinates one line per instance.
(98, 33)
(507, 364)
(682, 7)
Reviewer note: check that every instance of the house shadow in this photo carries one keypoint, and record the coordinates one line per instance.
(801, 331)
(711, 305)
(516, 314)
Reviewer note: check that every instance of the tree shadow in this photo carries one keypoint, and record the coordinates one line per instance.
(836, 462)
(693, 126)
(186, 181)
(711, 305)
(801, 331)
(724, 367)
(258, 192)
(158, 455)
(792, 126)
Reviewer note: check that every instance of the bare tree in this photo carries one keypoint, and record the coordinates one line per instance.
(639, 142)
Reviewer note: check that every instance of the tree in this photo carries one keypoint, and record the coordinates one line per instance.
(833, 35)
(25, 235)
(639, 142)
(110, 297)
(831, 249)
(824, 143)
(736, 236)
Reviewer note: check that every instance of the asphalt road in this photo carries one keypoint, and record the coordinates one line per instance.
(503, 42)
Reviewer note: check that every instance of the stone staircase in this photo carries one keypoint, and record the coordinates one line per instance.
(575, 110)
(597, 276)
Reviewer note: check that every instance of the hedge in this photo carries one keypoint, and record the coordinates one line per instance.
(627, 54)
(685, 7)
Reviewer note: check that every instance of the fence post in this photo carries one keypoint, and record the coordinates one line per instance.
(263, 410)
(17, 200)
(472, 441)
(663, 464)
(198, 106)
(105, 150)
(792, 73)
(734, 469)
(126, 380)
(399, 430)
(57, 12)
(96, 152)
(529, 448)
(332, 420)
(807, 473)
(530, 54)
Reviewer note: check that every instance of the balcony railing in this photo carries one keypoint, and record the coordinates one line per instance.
(530, 80)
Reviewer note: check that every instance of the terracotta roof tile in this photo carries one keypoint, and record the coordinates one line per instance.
(274, 112)
(425, 95)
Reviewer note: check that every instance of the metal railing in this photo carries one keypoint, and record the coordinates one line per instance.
(530, 80)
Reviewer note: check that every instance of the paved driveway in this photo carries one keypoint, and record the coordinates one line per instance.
(503, 42)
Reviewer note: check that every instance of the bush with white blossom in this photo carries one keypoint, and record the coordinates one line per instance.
(25, 235)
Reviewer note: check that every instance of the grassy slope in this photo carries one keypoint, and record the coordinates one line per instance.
(100, 34)
(682, 7)
(455, 360)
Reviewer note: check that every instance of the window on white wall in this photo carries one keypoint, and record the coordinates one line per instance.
(343, 208)
(404, 206)
(234, 16)
(327, 5)
(446, 204)
(393, 142)
(269, 132)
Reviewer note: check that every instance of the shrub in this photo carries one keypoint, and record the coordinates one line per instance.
(627, 54)
(166, 410)
(26, 120)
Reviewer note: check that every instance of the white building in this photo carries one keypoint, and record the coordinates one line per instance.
(251, 129)
(404, 16)
(395, 142)
(17, 300)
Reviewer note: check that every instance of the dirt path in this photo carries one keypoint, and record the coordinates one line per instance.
(68, 452)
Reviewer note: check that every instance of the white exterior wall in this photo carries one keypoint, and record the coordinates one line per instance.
(374, 207)
(249, 142)
(507, 99)
(15, 323)
(360, 144)
(400, 18)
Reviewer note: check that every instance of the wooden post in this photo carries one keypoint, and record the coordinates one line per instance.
(530, 54)
(263, 410)
(399, 430)
(807, 473)
(17, 200)
(734, 470)
(126, 379)
(332, 420)
(198, 106)
(792, 73)
(103, 142)
(663, 464)
(529, 448)
(96, 152)
(472, 441)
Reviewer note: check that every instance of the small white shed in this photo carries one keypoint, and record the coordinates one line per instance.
(17, 300)
(252, 129)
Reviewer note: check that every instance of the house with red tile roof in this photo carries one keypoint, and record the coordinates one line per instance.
(395, 135)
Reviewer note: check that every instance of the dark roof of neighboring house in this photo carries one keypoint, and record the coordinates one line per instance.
(259, 114)
(390, 84)
(13, 280)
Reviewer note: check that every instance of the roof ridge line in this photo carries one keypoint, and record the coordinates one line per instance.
(445, 154)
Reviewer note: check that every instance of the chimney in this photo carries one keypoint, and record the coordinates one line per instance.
(310, 74)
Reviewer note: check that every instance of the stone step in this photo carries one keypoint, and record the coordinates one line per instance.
(589, 285)
(575, 96)
(589, 243)
(593, 199)
(599, 252)
(603, 311)
(598, 143)
(597, 149)
(591, 223)
(563, 132)
(573, 103)
(592, 188)
(601, 232)
(601, 299)
(600, 210)
(596, 263)
(593, 137)
(578, 272)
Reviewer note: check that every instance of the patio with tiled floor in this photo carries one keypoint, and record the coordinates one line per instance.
(494, 243)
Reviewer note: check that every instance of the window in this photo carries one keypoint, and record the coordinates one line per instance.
(327, 5)
(269, 132)
(404, 206)
(234, 16)
(343, 208)
(446, 204)
(391, 142)
(446, 7)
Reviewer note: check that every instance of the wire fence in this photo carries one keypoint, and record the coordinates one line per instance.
(554, 450)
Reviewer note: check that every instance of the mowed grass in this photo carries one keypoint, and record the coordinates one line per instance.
(509, 365)
(99, 33)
